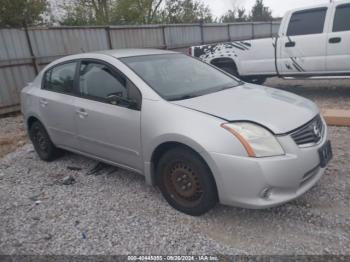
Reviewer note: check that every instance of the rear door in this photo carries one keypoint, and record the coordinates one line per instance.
(108, 130)
(338, 45)
(303, 46)
(56, 102)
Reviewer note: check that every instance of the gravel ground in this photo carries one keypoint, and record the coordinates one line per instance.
(114, 212)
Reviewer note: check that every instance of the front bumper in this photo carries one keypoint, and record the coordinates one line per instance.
(266, 182)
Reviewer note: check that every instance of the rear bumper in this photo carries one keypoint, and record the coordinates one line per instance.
(266, 182)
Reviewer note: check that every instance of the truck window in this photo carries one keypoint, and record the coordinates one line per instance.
(307, 22)
(342, 18)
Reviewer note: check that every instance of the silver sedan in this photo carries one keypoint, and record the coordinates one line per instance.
(199, 134)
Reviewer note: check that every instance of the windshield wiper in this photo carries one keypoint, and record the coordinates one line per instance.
(182, 97)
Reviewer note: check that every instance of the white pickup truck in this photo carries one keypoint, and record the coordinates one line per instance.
(312, 42)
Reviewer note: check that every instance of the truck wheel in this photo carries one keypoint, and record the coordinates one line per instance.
(42, 142)
(186, 182)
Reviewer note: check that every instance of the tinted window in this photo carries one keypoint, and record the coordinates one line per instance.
(99, 81)
(60, 78)
(177, 76)
(307, 22)
(342, 19)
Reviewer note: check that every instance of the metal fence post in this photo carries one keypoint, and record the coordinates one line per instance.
(109, 38)
(228, 32)
(271, 28)
(202, 32)
(31, 51)
(164, 37)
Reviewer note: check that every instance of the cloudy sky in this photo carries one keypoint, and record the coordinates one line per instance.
(279, 7)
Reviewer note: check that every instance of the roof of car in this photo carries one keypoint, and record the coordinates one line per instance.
(120, 53)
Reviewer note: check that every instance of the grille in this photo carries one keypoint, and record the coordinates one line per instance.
(309, 134)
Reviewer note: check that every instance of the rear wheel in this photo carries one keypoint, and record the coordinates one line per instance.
(42, 142)
(186, 182)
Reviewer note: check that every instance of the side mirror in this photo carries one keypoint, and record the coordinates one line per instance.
(121, 101)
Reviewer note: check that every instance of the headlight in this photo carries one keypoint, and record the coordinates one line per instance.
(258, 141)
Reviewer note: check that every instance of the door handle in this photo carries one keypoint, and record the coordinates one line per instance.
(335, 40)
(290, 44)
(43, 102)
(82, 113)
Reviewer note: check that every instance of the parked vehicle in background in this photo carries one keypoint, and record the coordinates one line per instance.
(312, 42)
(198, 133)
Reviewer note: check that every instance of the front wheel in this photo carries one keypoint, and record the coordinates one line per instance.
(186, 182)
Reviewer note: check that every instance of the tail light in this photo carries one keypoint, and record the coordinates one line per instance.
(190, 51)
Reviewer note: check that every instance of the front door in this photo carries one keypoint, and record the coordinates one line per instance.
(338, 45)
(106, 129)
(303, 47)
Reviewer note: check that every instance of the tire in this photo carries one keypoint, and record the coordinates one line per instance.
(186, 182)
(42, 143)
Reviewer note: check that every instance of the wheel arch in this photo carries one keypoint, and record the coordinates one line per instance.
(221, 61)
(30, 119)
(165, 145)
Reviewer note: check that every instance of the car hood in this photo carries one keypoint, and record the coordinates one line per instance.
(279, 111)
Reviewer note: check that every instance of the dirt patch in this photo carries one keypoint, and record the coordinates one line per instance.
(12, 134)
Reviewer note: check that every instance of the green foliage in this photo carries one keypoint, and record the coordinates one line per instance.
(136, 12)
(235, 15)
(118, 12)
(15, 13)
(86, 12)
(260, 12)
(186, 11)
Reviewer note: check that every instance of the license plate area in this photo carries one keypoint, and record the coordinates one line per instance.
(325, 153)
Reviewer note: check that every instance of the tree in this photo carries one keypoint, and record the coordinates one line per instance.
(87, 12)
(260, 12)
(234, 15)
(77, 14)
(16, 13)
(136, 12)
(186, 11)
(229, 17)
(241, 15)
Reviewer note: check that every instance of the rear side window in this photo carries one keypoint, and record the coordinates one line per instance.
(307, 22)
(60, 78)
(342, 19)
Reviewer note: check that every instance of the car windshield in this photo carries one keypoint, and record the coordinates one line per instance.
(179, 77)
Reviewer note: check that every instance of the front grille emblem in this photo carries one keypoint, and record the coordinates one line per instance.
(317, 131)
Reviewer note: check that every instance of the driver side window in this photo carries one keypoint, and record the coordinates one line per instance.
(97, 81)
